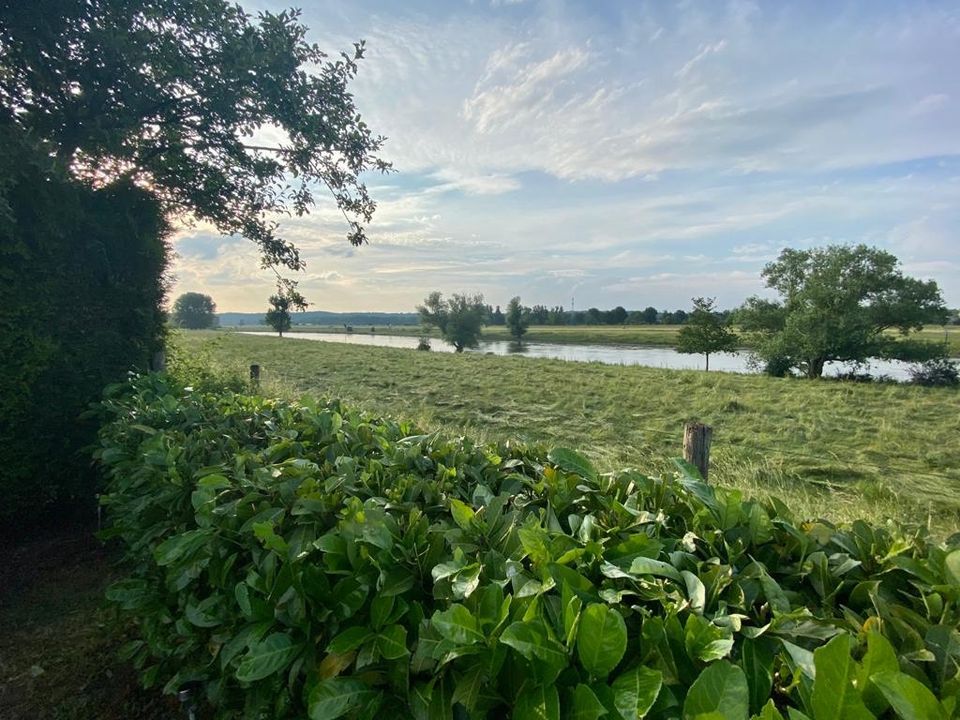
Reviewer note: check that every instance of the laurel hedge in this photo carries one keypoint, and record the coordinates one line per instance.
(304, 559)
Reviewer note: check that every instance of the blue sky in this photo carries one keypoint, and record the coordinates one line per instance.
(625, 153)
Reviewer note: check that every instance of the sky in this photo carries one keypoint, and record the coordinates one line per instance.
(602, 153)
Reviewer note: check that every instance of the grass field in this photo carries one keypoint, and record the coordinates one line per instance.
(663, 335)
(835, 450)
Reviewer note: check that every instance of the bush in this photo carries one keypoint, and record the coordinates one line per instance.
(423, 343)
(940, 372)
(307, 560)
(777, 366)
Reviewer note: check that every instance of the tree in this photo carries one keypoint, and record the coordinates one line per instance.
(538, 314)
(837, 304)
(706, 331)
(497, 317)
(116, 117)
(171, 94)
(459, 319)
(650, 315)
(287, 299)
(194, 311)
(617, 316)
(516, 319)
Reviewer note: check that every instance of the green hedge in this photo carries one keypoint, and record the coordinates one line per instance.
(81, 287)
(306, 560)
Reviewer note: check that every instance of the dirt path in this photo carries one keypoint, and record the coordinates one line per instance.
(58, 643)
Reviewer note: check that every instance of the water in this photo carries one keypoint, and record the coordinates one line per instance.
(650, 356)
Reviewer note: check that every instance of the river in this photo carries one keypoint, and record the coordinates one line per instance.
(648, 355)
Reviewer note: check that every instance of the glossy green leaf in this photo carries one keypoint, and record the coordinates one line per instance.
(601, 639)
(835, 694)
(719, 693)
(909, 698)
(584, 704)
(334, 698)
(392, 642)
(349, 639)
(951, 566)
(705, 641)
(757, 656)
(880, 657)
(532, 642)
(537, 703)
(572, 462)
(649, 566)
(636, 690)
(457, 624)
(267, 657)
(462, 513)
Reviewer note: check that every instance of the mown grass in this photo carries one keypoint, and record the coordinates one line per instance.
(836, 450)
(662, 335)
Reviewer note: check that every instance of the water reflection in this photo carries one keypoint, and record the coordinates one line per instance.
(650, 356)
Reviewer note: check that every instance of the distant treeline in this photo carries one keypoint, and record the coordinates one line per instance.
(543, 315)
(322, 317)
(536, 315)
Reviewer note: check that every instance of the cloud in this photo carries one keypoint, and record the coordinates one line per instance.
(631, 153)
(705, 50)
(524, 92)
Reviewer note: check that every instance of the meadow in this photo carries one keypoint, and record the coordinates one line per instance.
(661, 335)
(829, 449)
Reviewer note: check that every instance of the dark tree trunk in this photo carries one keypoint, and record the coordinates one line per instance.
(707, 355)
(815, 367)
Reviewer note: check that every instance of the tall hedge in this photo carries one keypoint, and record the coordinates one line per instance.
(81, 286)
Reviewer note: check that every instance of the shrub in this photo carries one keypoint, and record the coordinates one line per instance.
(940, 372)
(307, 560)
(777, 366)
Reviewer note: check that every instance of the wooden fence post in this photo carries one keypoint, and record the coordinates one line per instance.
(696, 446)
(255, 374)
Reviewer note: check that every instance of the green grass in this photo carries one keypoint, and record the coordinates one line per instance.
(663, 335)
(835, 450)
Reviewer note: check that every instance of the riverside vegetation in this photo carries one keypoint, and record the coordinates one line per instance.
(838, 450)
(293, 559)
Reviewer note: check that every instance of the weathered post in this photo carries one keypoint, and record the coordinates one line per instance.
(255, 375)
(696, 446)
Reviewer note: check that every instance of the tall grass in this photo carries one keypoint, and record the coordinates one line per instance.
(829, 449)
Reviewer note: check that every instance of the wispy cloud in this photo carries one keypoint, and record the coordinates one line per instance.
(627, 152)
